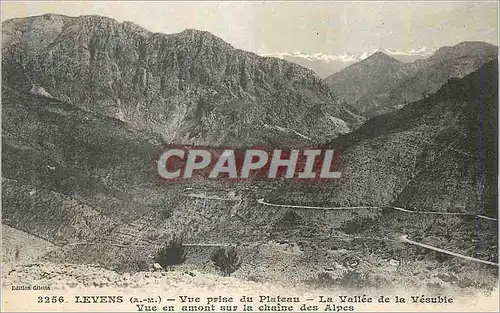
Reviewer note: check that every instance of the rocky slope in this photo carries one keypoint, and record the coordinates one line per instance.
(21, 248)
(69, 175)
(190, 87)
(347, 266)
(432, 154)
(382, 87)
(84, 184)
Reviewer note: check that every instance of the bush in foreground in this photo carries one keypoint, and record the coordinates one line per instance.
(173, 253)
(227, 260)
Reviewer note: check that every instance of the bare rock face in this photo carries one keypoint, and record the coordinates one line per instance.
(190, 87)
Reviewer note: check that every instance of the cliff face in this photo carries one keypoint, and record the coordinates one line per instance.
(191, 87)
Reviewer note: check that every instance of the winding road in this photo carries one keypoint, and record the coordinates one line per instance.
(403, 238)
(261, 201)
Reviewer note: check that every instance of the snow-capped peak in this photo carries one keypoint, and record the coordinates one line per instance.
(348, 57)
(320, 56)
(424, 51)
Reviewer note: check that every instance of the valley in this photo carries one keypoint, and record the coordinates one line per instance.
(89, 104)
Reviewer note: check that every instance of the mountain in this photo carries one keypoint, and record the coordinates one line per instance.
(190, 87)
(436, 154)
(85, 104)
(365, 79)
(394, 85)
(325, 64)
(428, 155)
(446, 63)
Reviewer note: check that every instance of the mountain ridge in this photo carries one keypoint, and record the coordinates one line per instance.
(327, 64)
(367, 78)
(178, 84)
(407, 82)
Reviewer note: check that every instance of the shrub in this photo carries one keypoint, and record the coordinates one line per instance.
(227, 260)
(358, 226)
(173, 253)
(166, 213)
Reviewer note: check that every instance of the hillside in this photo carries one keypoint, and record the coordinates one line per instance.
(70, 175)
(190, 87)
(438, 154)
(426, 154)
(84, 183)
(391, 86)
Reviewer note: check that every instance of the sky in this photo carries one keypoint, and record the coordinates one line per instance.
(312, 27)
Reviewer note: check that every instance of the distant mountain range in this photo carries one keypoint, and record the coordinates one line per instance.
(328, 64)
(381, 83)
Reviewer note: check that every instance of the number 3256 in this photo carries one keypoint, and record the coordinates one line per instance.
(53, 299)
